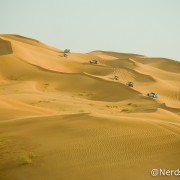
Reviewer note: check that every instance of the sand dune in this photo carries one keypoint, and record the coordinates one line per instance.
(65, 118)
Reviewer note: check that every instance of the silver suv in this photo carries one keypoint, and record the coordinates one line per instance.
(116, 77)
(131, 84)
(67, 51)
(94, 61)
(152, 94)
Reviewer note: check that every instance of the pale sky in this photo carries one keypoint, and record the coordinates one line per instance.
(148, 27)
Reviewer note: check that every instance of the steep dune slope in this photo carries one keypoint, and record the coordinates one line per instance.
(30, 41)
(5, 47)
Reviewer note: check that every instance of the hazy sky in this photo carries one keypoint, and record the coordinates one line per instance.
(149, 27)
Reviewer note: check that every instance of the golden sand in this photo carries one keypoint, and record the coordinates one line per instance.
(62, 118)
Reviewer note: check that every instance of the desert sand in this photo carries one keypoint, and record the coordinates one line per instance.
(62, 118)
